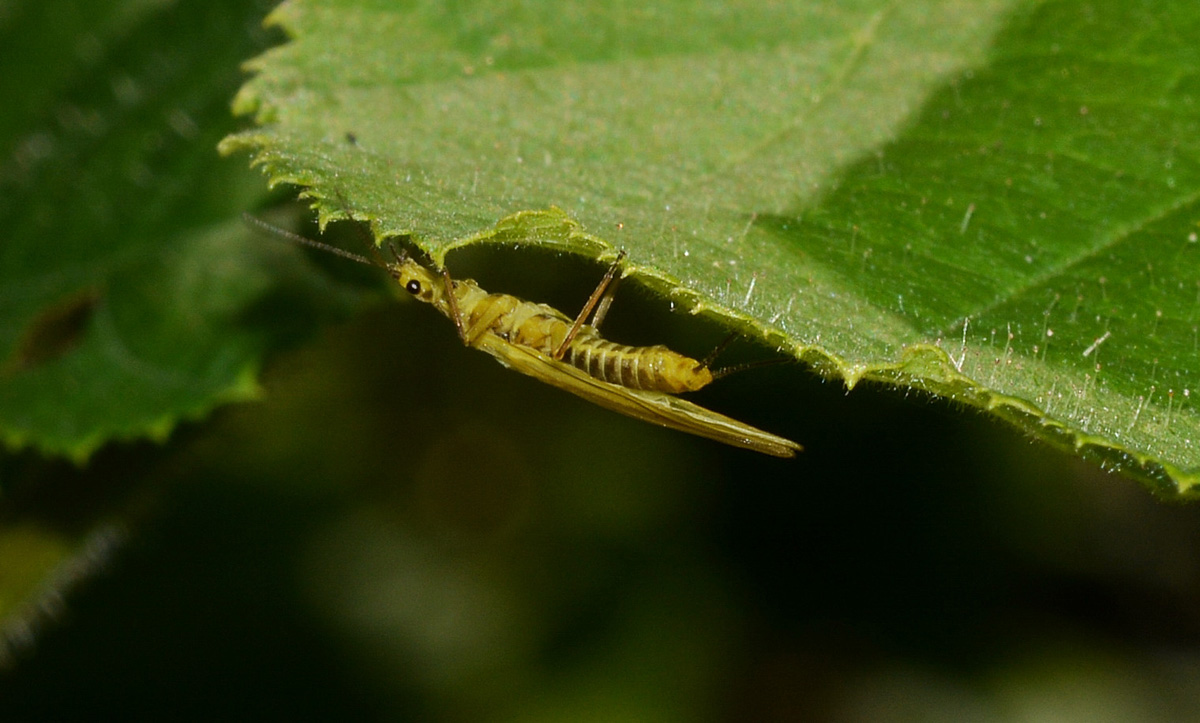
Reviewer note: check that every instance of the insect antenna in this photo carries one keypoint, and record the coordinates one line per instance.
(296, 238)
(400, 255)
(368, 242)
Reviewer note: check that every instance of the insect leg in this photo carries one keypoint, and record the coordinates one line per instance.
(592, 301)
(605, 302)
(452, 302)
(494, 314)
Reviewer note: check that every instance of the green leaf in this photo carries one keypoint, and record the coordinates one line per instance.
(133, 297)
(994, 202)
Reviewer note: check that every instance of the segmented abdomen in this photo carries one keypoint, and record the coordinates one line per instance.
(655, 368)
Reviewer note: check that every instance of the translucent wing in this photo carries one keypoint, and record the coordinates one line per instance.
(654, 407)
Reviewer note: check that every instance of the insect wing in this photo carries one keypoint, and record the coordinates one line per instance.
(649, 406)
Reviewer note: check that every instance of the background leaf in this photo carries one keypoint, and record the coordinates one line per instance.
(132, 296)
(131, 289)
(993, 202)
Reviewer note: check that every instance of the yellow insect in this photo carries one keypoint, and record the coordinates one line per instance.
(544, 343)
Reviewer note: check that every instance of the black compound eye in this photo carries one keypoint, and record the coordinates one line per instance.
(413, 287)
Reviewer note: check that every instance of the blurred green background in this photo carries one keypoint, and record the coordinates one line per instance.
(402, 529)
